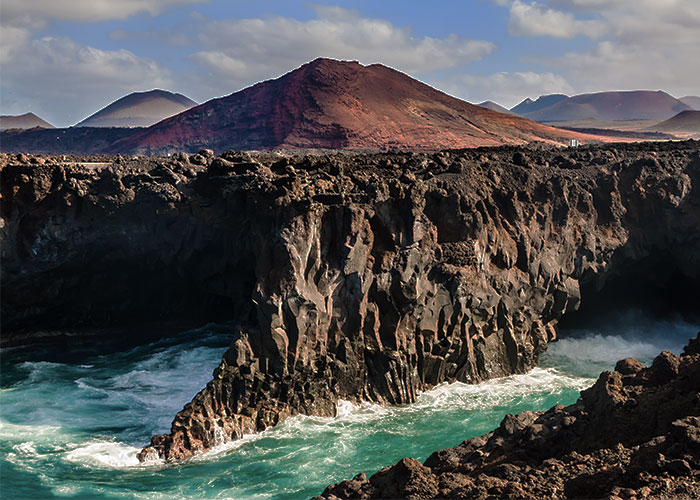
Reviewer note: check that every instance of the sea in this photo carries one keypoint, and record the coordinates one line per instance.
(74, 415)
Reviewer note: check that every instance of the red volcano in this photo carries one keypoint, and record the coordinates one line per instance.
(338, 104)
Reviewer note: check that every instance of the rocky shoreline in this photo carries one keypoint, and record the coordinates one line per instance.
(634, 434)
(364, 277)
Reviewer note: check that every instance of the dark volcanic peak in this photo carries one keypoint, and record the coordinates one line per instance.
(495, 107)
(613, 106)
(139, 109)
(338, 104)
(25, 121)
(543, 101)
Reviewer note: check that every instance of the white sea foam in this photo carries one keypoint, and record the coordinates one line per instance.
(631, 335)
(604, 349)
(442, 398)
(104, 454)
(19, 432)
(344, 408)
(223, 448)
(26, 448)
(499, 390)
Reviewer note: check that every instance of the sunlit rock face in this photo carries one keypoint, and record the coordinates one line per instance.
(357, 277)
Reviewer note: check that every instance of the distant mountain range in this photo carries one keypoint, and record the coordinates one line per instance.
(495, 107)
(25, 121)
(139, 109)
(687, 122)
(691, 100)
(605, 106)
(542, 102)
(339, 104)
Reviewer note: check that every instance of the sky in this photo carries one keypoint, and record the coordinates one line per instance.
(66, 59)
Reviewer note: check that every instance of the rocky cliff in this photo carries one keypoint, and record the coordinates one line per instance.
(634, 434)
(357, 277)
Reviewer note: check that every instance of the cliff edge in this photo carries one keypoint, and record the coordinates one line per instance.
(350, 276)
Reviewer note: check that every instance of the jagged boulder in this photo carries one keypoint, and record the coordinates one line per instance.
(629, 436)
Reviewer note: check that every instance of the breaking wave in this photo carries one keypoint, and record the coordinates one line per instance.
(74, 429)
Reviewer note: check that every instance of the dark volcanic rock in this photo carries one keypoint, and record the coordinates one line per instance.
(357, 277)
(627, 437)
(72, 140)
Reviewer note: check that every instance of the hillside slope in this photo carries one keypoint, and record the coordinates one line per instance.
(691, 100)
(139, 109)
(338, 104)
(25, 121)
(628, 105)
(684, 122)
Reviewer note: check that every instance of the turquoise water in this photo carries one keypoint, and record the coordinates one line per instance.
(72, 419)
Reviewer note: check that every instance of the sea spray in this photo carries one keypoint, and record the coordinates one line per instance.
(597, 346)
(72, 429)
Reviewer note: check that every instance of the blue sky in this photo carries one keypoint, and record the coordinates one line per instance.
(65, 59)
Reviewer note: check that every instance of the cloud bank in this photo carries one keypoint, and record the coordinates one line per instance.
(239, 52)
(595, 45)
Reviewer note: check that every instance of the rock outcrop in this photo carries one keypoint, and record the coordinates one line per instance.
(634, 434)
(356, 277)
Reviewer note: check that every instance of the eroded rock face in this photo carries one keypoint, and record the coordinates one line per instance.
(357, 277)
(634, 434)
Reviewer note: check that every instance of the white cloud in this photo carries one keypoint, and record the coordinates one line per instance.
(64, 81)
(12, 39)
(611, 66)
(642, 44)
(535, 19)
(33, 12)
(644, 21)
(506, 89)
(243, 51)
(653, 44)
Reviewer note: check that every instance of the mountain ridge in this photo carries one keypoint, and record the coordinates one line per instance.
(691, 100)
(495, 107)
(26, 121)
(687, 121)
(543, 101)
(139, 109)
(608, 105)
(339, 104)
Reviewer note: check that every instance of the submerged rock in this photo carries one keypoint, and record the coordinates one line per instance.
(627, 437)
(349, 276)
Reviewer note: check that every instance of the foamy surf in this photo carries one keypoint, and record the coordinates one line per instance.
(105, 454)
(75, 429)
(587, 351)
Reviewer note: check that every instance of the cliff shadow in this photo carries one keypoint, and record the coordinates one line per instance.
(654, 288)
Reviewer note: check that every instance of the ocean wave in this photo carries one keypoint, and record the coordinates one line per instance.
(105, 454)
(445, 397)
(18, 432)
(631, 335)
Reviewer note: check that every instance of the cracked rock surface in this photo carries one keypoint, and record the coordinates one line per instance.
(348, 276)
(634, 434)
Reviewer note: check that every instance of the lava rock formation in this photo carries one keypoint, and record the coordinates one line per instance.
(634, 434)
(358, 277)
